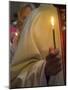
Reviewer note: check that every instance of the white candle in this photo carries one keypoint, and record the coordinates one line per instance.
(52, 23)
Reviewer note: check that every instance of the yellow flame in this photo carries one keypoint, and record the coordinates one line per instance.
(52, 21)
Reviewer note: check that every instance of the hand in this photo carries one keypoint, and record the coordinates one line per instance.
(53, 63)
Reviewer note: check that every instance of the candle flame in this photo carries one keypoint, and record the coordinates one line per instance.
(16, 34)
(52, 21)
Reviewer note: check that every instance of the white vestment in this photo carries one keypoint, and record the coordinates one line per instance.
(29, 61)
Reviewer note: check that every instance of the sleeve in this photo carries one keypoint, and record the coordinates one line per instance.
(35, 76)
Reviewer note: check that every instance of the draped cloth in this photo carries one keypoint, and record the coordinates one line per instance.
(29, 61)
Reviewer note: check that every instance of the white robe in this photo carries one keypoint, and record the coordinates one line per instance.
(29, 61)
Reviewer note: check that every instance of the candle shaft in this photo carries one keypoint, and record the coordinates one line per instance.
(54, 39)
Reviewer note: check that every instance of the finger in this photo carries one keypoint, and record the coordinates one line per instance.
(53, 63)
(52, 50)
(52, 55)
(53, 59)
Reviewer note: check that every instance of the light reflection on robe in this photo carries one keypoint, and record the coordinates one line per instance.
(30, 58)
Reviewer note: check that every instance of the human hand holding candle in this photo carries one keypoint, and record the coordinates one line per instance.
(53, 60)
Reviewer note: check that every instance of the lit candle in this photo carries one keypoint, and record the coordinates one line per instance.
(52, 23)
